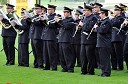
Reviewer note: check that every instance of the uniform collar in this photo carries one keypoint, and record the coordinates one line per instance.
(89, 16)
(105, 18)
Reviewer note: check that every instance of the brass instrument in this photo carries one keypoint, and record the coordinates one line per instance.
(18, 22)
(29, 15)
(6, 26)
(54, 20)
(38, 18)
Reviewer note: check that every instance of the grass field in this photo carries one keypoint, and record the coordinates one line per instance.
(21, 75)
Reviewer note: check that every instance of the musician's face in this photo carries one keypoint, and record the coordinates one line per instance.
(76, 16)
(116, 12)
(66, 14)
(38, 10)
(9, 9)
(102, 15)
(96, 9)
(87, 12)
(22, 15)
(51, 10)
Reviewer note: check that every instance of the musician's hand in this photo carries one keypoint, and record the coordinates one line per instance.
(42, 18)
(57, 19)
(81, 23)
(125, 22)
(95, 26)
(78, 27)
(1, 18)
(122, 25)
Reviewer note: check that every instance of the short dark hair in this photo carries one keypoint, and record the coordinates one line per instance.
(106, 13)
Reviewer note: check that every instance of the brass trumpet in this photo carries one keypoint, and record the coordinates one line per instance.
(54, 20)
(38, 18)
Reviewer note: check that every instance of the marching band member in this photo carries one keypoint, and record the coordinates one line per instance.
(117, 40)
(88, 43)
(23, 40)
(96, 12)
(124, 9)
(125, 50)
(96, 9)
(49, 40)
(77, 37)
(9, 36)
(36, 29)
(103, 29)
(65, 40)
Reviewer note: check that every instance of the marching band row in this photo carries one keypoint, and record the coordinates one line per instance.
(88, 37)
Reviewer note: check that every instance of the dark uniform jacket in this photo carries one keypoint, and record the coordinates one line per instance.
(104, 33)
(36, 28)
(125, 28)
(77, 38)
(24, 37)
(50, 32)
(97, 15)
(66, 30)
(8, 32)
(116, 22)
(89, 23)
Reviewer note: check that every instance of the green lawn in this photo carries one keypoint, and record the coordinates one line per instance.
(21, 75)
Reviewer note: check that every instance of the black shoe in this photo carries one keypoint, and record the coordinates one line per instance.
(20, 65)
(78, 65)
(99, 67)
(35, 67)
(90, 73)
(114, 68)
(46, 68)
(9, 64)
(63, 70)
(26, 66)
(120, 69)
(54, 69)
(83, 73)
(71, 71)
(103, 75)
(40, 67)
